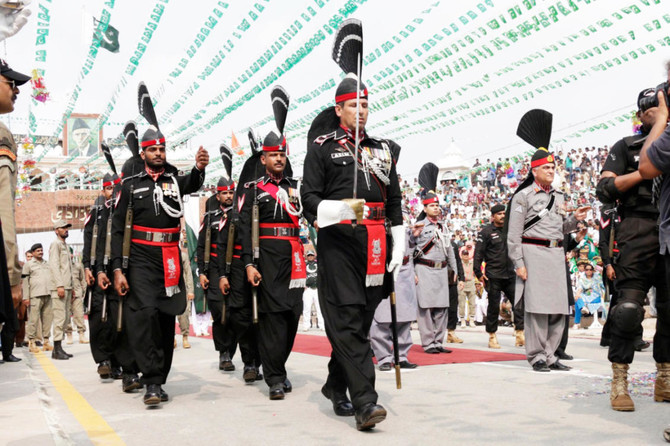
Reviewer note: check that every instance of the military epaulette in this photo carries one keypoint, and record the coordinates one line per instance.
(6, 152)
(323, 138)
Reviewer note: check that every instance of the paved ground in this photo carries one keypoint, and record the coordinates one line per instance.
(63, 402)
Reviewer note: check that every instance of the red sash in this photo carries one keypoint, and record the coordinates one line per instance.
(272, 189)
(298, 271)
(171, 257)
(376, 266)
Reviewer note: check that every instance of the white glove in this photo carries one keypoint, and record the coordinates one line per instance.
(331, 212)
(12, 19)
(398, 235)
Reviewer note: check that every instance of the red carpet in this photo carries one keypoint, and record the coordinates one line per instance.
(320, 346)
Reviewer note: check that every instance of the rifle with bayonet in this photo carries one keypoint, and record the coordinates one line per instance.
(94, 242)
(255, 250)
(229, 261)
(125, 251)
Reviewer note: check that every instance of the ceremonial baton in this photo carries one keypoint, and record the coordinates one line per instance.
(394, 334)
(229, 261)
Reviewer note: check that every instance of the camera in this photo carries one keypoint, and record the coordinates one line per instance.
(652, 101)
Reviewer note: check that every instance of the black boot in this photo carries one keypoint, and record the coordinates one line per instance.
(63, 351)
(58, 352)
(225, 363)
(130, 382)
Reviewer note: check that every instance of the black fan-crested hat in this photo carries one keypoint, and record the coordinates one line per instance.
(428, 182)
(535, 129)
(152, 136)
(348, 54)
(275, 141)
(226, 182)
(253, 141)
(108, 157)
(130, 135)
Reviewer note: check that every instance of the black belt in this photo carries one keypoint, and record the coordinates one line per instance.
(279, 231)
(405, 260)
(431, 263)
(542, 242)
(158, 237)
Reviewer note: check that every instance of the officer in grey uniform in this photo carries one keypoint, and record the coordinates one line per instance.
(432, 255)
(380, 331)
(537, 224)
(60, 266)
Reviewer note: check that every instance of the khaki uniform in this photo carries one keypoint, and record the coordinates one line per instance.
(37, 289)
(8, 172)
(466, 293)
(77, 305)
(60, 266)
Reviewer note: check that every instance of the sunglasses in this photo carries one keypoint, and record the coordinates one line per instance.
(10, 82)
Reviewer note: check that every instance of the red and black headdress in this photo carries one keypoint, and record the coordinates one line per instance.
(275, 141)
(226, 182)
(152, 136)
(428, 182)
(348, 54)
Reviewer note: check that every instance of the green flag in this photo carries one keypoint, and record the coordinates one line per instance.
(110, 39)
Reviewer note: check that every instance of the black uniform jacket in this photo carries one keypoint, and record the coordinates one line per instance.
(492, 249)
(146, 277)
(275, 259)
(216, 218)
(328, 174)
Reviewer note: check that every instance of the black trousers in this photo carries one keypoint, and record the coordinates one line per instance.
(638, 268)
(222, 335)
(495, 287)
(151, 339)
(8, 334)
(350, 365)
(103, 335)
(276, 333)
(240, 321)
(452, 311)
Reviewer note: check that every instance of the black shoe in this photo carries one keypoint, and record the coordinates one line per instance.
(277, 391)
(369, 415)
(225, 362)
(385, 367)
(288, 387)
(442, 349)
(541, 366)
(2, 361)
(117, 373)
(164, 396)
(57, 352)
(604, 342)
(38, 343)
(130, 382)
(407, 365)
(341, 404)
(104, 369)
(560, 367)
(152, 397)
(250, 373)
(259, 376)
(641, 345)
(432, 350)
(564, 356)
(11, 358)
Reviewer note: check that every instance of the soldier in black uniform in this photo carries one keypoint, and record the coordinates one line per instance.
(218, 211)
(639, 265)
(353, 255)
(609, 222)
(279, 272)
(103, 333)
(153, 285)
(499, 276)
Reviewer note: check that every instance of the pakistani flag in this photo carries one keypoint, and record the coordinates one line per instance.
(192, 220)
(110, 39)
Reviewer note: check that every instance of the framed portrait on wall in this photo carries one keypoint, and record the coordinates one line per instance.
(79, 137)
